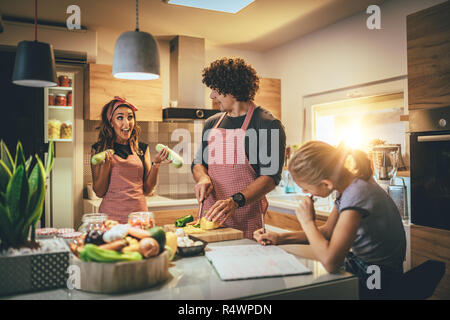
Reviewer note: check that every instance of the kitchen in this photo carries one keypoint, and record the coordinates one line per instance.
(304, 67)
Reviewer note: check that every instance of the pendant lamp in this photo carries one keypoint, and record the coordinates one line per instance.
(136, 55)
(35, 62)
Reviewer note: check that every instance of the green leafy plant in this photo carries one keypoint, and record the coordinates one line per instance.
(22, 193)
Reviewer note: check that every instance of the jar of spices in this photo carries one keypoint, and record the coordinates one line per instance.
(61, 100)
(63, 81)
(69, 99)
(51, 99)
(46, 233)
(70, 82)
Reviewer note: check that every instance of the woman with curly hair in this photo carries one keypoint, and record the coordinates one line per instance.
(233, 175)
(126, 175)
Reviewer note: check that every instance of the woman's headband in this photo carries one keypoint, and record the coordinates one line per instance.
(119, 101)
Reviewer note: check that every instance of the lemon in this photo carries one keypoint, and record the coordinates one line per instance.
(171, 242)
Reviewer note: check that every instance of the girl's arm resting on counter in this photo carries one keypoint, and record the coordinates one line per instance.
(331, 253)
(100, 177)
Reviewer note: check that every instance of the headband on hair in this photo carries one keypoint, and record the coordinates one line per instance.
(119, 101)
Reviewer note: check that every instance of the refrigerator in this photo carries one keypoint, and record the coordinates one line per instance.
(33, 118)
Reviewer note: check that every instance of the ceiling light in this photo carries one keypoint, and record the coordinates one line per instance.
(35, 62)
(230, 6)
(136, 55)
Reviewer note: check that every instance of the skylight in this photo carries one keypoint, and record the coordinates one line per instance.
(230, 6)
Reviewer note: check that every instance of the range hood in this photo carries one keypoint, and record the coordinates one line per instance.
(187, 60)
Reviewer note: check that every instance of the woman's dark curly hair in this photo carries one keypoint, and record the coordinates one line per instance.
(106, 134)
(232, 76)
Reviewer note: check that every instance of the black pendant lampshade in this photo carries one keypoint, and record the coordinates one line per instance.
(34, 65)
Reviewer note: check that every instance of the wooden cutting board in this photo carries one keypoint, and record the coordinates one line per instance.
(216, 235)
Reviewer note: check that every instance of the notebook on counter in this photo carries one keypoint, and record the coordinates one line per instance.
(253, 261)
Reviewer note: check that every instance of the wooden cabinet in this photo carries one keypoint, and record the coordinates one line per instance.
(428, 34)
(101, 87)
(432, 244)
(288, 221)
(268, 96)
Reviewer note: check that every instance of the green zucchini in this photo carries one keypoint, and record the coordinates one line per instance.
(177, 160)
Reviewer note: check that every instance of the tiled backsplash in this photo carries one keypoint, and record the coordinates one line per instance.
(171, 180)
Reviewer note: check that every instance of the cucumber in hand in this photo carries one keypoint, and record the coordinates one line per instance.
(100, 157)
(177, 160)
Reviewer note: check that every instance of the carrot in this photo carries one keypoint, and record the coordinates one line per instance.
(115, 245)
(138, 233)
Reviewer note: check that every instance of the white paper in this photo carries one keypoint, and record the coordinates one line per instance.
(253, 261)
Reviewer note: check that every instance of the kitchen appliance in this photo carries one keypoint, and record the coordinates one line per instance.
(398, 193)
(186, 114)
(387, 159)
(430, 167)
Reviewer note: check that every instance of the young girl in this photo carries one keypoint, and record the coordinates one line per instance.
(364, 218)
(126, 176)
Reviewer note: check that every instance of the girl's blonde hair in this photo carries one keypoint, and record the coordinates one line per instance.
(316, 161)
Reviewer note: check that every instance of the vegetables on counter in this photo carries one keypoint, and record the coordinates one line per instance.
(94, 237)
(171, 243)
(184, 220)
(159, 235)
(100, 157)
(120, 242)
(149, 247)
(177, 160)
(117, 232)
(93, 253)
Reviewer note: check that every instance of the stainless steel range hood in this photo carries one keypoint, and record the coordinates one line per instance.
(187, 60)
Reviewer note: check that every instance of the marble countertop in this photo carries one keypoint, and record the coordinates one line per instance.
(195, 278)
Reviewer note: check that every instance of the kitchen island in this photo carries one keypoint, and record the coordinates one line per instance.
(194, 278)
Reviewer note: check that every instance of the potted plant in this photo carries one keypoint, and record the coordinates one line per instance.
(22, 191)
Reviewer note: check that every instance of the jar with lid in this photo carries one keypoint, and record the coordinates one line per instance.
(142, 220)
(93, 221)
(63, 81)
(61, 100)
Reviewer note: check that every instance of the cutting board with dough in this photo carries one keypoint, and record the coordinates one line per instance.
(216, 235)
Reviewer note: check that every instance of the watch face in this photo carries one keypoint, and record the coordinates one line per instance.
(238, 197)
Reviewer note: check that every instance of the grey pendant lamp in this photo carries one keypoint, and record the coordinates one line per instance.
(136, 55)
(35, 62)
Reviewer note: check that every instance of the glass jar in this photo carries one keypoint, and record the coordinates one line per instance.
(46, 233)
(54, 129)
(142, 220)
(69, 99)
(51, 99)
(93, 221)
(72, 237)
(63, 81)
(61, 100)
(66, 130)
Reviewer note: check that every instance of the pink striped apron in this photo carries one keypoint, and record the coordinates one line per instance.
(125, 192)
(231, 172)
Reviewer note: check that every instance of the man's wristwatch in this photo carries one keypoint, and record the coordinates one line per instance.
(239, 199)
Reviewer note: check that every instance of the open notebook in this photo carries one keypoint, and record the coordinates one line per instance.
(253, 261)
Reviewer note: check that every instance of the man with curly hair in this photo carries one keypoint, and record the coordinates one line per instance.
(242, 153)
